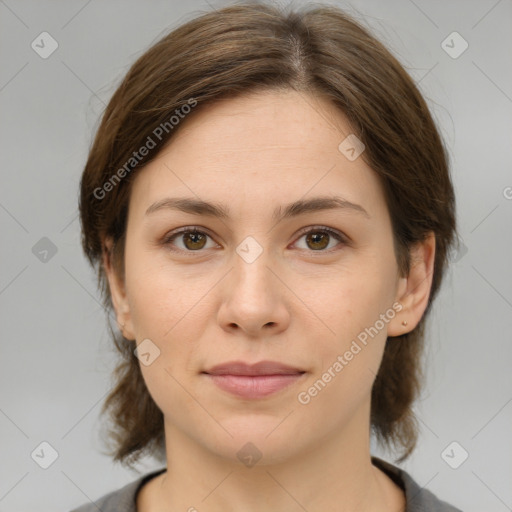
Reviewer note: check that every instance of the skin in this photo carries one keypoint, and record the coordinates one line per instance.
(293, 304)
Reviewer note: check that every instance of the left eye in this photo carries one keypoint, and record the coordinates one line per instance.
(193, 240)
(318, 239)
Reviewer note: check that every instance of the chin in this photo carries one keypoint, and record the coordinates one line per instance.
(256, 442)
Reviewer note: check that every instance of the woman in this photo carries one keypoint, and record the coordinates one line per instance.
(269, 206)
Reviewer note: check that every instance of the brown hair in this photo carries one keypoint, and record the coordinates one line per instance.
(254, 46)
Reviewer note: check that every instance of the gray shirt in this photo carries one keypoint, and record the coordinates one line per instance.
(417, 498)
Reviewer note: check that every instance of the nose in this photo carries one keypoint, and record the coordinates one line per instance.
(254, 298)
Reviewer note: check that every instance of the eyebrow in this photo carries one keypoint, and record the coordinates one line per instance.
(300, 207)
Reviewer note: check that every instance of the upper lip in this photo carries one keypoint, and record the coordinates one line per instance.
(260, 368)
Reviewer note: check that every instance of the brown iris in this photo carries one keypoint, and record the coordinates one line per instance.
(197, 240)
(318, 240)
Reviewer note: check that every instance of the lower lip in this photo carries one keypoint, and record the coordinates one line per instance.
(254, 386)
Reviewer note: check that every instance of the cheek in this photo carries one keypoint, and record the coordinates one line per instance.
(351, 301)
(350, 352)
(355, 308)
(164, 314)
(168, 389)
(159, 298)
(168, 309)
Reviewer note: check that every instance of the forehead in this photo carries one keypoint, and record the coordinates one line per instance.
(257, 149)
(273, 119)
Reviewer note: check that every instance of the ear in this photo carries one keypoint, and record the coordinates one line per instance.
(117, 291)
(413, 290)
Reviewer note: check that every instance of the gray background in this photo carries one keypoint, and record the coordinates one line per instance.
(56, 356)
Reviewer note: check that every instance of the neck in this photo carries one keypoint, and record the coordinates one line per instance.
(334, 473)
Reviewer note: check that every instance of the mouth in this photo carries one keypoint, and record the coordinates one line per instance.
(253, 381)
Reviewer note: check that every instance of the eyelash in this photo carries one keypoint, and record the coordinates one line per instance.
(168, 239)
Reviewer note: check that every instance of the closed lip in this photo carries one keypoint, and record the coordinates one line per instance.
(259, 368)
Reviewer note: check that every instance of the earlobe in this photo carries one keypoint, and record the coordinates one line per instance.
(117, 291)
(413, 291)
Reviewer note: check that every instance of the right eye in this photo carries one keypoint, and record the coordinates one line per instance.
(192, 239)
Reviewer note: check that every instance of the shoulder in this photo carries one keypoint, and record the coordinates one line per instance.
(120, 500)
(418, 498)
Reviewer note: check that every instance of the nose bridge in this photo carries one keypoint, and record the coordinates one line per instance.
(252, 274)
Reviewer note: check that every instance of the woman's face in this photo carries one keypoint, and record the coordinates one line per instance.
(303, 287)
